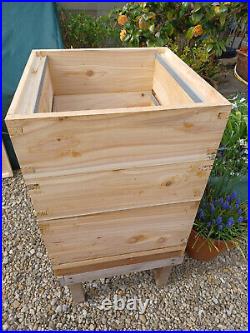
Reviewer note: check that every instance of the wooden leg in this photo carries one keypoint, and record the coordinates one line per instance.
(77, 292)
(161, 275)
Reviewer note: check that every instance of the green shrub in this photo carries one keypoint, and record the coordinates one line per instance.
(80, 30)
(186, 23)
(231, 159)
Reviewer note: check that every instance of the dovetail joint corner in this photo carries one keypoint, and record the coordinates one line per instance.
(14, 131)
(41, 213)
(32, 187)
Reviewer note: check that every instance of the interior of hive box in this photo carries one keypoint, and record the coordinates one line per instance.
(80, 80)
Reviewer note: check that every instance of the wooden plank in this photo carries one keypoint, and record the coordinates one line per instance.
(45, 102)
(92, 265)
(77, 292)
(86, 237)
(6, 167)
(167, 90)
(202, 87)
(99, 71)
(119, 270)
(27, 94)
(115, 140)
(161, 275)
(87, 193)
(101, 101)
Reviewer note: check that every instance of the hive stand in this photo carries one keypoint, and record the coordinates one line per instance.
(116, 147)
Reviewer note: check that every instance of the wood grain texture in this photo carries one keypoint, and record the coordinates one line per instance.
(86, 193)
(26, 96)
(77, 293)
(203, 88)
(162, 275)
(131, 258)
(6, 167)
(118, 270)
(101, 72)
(45, 102)
(167, 90)
(111, 141)
(86, 237)
(115, 179)
(101, 101)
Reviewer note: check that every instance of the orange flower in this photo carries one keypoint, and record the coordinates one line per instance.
(198, 31)
(123, 34)
(122, 19)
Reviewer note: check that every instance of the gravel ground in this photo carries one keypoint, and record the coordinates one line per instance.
(200, 296)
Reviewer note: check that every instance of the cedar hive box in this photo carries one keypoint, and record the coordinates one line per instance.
(116, 146)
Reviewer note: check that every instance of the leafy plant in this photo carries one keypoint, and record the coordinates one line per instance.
(221, 217)
(81, 30)
(231, 159)
(186, 23)
(198, 58)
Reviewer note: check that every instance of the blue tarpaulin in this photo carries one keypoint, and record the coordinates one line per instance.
(25, 26)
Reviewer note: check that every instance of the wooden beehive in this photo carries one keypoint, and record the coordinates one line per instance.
(116, 146)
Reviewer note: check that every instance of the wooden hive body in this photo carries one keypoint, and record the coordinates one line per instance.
(116, 147)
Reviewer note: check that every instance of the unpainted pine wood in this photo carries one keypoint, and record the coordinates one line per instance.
(94, 192)
(93, 71)
(6, 167)
(26, 95)
(161, 275)
(77, 292)
(115, 140)
(101, 101)
(86, 237)
(167, 90)
(118, 270)
(91, 265)
(45, 102)
(202, 87)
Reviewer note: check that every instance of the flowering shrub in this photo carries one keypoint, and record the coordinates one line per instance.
(186, 23)
(221, 217)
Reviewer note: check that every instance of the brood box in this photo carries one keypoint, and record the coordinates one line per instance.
(116, 146)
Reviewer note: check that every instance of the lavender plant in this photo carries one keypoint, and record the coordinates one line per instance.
(222, 217)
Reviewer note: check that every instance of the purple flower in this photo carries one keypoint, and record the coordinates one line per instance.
(230, 222)
(228, 198)
(212, 207)
(240, 219)
(221, 201)
(220, 226)
(209, 224)
(240, 211)
(233, 195)
(237, 202)
(219, 220)
(201, 214)
(237, 205)
(226, 205)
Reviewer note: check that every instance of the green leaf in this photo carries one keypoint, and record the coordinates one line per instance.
(190, 33)
(222, 20)
(169, 29)
(196, 17)
(152, 28)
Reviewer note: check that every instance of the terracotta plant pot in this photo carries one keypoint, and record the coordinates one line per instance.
(199, 248)
(241, 65)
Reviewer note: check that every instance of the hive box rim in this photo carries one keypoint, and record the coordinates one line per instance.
(13, 109)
